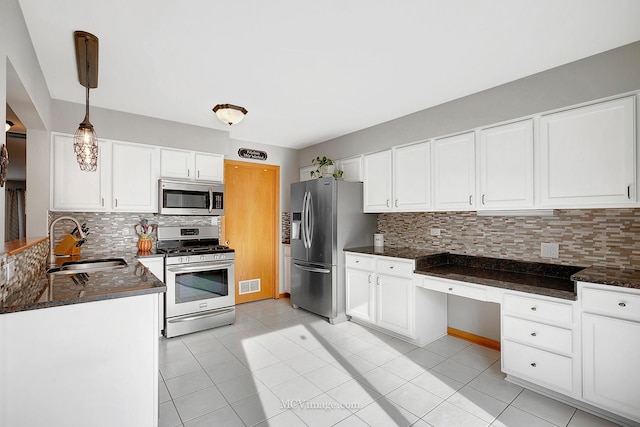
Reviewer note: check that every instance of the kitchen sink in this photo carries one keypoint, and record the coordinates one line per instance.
(88, 266)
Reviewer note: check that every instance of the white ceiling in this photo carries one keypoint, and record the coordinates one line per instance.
(309, 71)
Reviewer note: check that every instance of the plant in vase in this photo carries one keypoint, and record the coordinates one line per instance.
(324, 167)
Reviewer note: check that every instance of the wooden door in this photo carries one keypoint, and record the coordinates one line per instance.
(250, 226)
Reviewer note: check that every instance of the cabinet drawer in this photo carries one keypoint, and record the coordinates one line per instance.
(456, 288)
(625, 305)
(538, 366)
(359, 261)
(395, 268)
(538, 334)
(538, 309)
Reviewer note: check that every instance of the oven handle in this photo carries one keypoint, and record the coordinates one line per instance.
(312, 269)
(201, 316)
(200, 267)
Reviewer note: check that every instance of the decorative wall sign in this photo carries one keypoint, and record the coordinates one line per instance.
(248, 153)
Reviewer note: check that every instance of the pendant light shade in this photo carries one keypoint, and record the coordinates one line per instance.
(85, 140)
(230, 114)
(8, 125)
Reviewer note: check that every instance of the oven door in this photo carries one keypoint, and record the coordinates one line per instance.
(198, 287)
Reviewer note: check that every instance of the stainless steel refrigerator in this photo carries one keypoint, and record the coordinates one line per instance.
(326, 216)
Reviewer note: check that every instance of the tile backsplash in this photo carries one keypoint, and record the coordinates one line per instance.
(602, 237)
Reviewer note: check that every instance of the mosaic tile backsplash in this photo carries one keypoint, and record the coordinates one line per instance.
(600, 237)
(29, 264)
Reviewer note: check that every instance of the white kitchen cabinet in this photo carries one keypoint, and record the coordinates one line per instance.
(454, 172)
(380, 291)
(73, 189)
(588, 157)
(377, 182)
(398, 180)
(412, 177)
(611, 348)
(134, 177)
(351, 168)
(305, 173)
(505, 172)
(191, 165)
(540, 341)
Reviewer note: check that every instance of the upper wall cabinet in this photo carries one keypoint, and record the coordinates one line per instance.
(135, 177)
(505, 161)
(454, 172)
(398, 179)
(351, 168)
(377, 182)
(587, 156)
(73, 189)
(126, 178)
(191, 165)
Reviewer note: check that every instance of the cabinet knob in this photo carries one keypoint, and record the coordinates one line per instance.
(450, 289)
(391, 267)
(357, 261)
(622, 304)
(533, 364)
(533, 334)
(533, 309)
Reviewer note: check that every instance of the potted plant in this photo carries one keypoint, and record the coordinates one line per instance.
(324, 167)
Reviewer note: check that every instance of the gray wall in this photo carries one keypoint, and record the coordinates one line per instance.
(610, 73)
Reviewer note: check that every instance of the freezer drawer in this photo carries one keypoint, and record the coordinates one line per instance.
(312, 287)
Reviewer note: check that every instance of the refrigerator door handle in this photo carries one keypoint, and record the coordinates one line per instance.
(312, 269)
(310, 227)
(305, 220)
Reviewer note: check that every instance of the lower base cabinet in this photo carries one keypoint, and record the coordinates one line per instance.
(381, 292)
(611, 349)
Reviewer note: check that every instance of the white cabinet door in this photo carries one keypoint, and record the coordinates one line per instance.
(209, 167)
(305, 173)
(454, 172)
(360, 294)
(134, 178)
(611, 364)
(351, 168)
(412, 177)
(587, 156)
(506, 166)
(377, 182)
(176, 164)
(73, 189)
(395, 308)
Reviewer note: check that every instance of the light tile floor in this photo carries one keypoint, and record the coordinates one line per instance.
(278, 366)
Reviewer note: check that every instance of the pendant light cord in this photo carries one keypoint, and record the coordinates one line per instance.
(86, 76)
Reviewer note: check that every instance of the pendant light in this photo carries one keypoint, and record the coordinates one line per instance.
(230, 114)
(85, 141)
(8, 125)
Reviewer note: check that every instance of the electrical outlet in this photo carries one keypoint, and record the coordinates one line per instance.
(549, 250)
(435, 231)
(10, 270)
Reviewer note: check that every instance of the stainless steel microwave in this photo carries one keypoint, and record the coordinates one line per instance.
(190, 198)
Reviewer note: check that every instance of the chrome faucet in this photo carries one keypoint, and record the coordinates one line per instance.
(52, 256)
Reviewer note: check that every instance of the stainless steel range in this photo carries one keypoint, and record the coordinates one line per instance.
(200, 279)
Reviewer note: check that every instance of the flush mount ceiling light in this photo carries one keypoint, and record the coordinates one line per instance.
(85, 140)
(230, 114)
(8, 125)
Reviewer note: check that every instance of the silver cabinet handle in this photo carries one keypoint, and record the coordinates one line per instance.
(369, 278)
(198, 174)
(396, 203)
(188, 172)
(388, 203)
(629, 192)
(378, 281)
(116, 202)
(483, 199)
(621, 304)
(103, 201)
(470, 199)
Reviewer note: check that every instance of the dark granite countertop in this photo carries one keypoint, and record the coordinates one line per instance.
(407, 253)
(609, 276)
(59, 290)
(539, 278)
